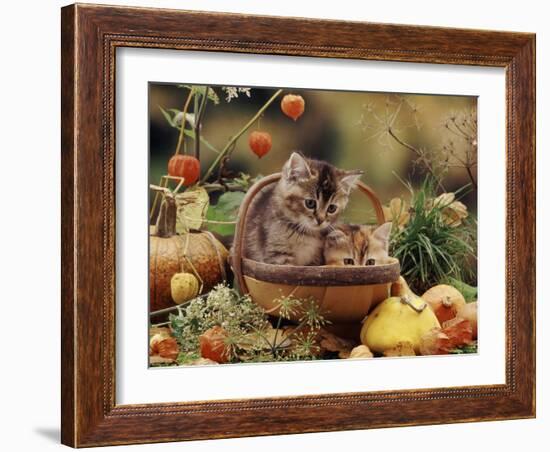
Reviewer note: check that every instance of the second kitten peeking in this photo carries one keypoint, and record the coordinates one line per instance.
(352, 244)
(288, 220)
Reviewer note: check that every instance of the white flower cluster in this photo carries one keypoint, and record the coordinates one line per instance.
(232, 92)
(224, 307)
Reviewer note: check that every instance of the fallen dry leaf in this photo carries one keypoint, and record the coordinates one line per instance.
(159, 330)
(459, 331)
(164, 346)
(279, 336)
(435, 342)
(213, 344)
(332, 343)
(202, 362)
(265, 338)
(156, 359)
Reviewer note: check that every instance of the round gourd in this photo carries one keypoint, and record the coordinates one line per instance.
(445, 301)
(394, 321)
(404, 317)
(184, 286)
(167, 257)
(196, 252)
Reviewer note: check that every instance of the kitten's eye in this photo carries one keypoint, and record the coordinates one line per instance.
(332, 208)
(311, 203)
(349, 261)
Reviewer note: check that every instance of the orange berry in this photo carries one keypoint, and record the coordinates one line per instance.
(293, 106)
(184, 166)
(260, 143)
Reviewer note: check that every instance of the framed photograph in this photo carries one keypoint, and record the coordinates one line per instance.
(280, 225)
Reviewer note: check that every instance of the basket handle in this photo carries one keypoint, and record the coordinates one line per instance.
(240, 227)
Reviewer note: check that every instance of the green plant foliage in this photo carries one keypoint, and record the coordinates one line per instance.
(186, 358)
(200, 90)
(224, 307)
(225, 211)
(429, 249)
(466, 349)
(169, 117)
(250, 335)
(468, 292)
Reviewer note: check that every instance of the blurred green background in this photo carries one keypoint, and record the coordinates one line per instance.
(348, 129)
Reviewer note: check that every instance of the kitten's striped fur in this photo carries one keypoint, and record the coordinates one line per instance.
(288, 220)
(352, 244)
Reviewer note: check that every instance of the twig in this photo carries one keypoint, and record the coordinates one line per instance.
(159, 188)
(204, 220)
(227, 147)
(223, 186)
(261, 336)
(463, 133)
(183, 119)
(279, 320)
(418, 153)
(175, 307)
(294, 331)
(163, 188)
(221, 168)
(157, 325)
(163, 183)
(469, 170)
(198, 119)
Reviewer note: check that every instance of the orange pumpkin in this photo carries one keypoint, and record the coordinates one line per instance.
(171, 253)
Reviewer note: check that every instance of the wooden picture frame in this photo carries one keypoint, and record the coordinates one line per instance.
(90, 36)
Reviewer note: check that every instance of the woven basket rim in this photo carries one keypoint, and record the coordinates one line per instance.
(322, 275)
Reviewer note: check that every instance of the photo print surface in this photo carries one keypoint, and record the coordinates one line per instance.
(295, 225)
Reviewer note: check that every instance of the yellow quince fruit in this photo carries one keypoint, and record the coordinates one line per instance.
(404, 317)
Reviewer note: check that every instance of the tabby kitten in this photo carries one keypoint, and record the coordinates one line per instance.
(352, 244)
(288, 220)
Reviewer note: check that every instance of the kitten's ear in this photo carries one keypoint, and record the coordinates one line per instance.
(383, 232)
(296, 167)
(349, 180)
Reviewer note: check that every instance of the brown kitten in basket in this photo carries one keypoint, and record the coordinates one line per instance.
(353, 244)
(288, 220)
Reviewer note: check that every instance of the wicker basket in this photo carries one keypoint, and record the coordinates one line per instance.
(345, 294)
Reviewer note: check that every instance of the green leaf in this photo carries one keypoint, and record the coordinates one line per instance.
(246, 181)
(185, 358)
(468, 292)
(226, 210)
(168, 117)
(466, 349)
(230, 202)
